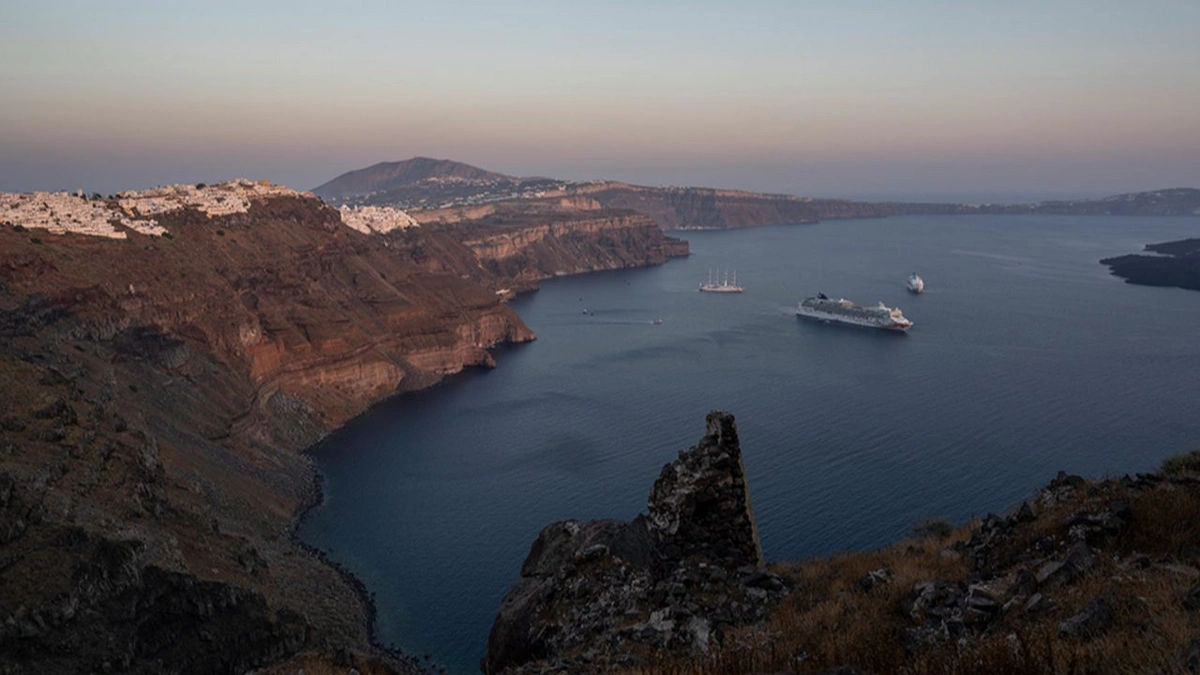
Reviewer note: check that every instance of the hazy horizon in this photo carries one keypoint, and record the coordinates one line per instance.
(1049, 100)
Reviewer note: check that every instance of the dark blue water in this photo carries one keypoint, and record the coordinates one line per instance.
(1026, 358)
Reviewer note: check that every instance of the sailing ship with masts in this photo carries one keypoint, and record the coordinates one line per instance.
(721, 285)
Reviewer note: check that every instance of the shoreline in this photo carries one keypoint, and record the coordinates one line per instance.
(314, 497)
(314, 494)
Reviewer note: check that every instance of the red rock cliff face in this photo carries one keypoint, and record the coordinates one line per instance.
(571, 243)
(155, 392)
(285, 295)
(515, 244)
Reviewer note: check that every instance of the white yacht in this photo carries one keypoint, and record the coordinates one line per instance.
(915, 283)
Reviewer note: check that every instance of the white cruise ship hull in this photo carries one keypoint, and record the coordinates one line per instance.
(888, 323)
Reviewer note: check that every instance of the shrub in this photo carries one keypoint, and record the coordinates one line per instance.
(1186, 464)
(934, 528)
(35, 240)
(201, 186)
(220, 233)
(19, 228)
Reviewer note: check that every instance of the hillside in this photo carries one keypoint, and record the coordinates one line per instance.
(387, 176)
(165, 358)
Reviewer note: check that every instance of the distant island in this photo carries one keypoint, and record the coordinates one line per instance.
(1174, 263)
(436, 185)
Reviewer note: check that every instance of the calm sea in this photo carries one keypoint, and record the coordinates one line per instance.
(1026, 358)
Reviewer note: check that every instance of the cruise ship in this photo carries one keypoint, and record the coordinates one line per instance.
(844, 311)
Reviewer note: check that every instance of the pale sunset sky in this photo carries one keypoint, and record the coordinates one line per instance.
(913, 99)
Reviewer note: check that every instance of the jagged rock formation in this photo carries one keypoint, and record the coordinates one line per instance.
(700, 504)
(608, 593)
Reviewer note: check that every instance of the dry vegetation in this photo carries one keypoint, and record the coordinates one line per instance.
(1144, 570)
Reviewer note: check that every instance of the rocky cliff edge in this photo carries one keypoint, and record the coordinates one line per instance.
(1084, 577)
(157, 389)
(608, 593)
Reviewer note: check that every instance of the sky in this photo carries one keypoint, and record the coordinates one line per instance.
(920, 98)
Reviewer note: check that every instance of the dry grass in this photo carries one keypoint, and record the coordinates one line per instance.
(1186, 464)
(1165, 522)
(829, 621)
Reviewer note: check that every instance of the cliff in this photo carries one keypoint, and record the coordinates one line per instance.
(157, 393)
(1087, 577)
(168, 354)
(1177, 263)
(569, 243)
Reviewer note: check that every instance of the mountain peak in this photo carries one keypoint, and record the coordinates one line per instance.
(391, 175)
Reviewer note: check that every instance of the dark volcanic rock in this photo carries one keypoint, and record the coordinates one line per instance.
(700, 504)
(1090, 622)
(141, 618)
(666, 581)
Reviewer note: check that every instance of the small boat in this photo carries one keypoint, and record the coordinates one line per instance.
(722, 286)
(657, 322)
(915, 283)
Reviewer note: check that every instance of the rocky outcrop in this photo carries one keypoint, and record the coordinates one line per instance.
(600, 594)
(1102, 575)
(700, 504)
